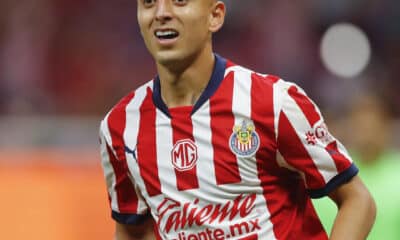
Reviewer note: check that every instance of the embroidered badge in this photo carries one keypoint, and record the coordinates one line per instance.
(244, 141)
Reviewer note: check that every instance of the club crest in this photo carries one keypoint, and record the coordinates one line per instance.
(244, 141)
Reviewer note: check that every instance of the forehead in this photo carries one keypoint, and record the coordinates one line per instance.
(202, 1)
(200, 5)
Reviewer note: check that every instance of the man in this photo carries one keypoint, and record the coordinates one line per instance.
(212, 150)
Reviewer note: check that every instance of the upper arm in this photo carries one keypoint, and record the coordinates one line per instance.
(354, 188)
(356, 210)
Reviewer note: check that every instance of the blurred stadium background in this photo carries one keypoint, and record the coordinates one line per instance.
(64, 63)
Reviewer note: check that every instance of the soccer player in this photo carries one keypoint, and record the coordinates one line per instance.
(211, 150)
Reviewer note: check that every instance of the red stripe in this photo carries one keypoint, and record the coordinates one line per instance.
(283, 190)
(222, 122)
(251, 237)
(183, 129)
(306, 106)
(268, 171)
(342, 163)
(230, 64)
(116, 124)
(272, 78)
(262, 109)
(126, 195)
(146, 147)
(294, 152)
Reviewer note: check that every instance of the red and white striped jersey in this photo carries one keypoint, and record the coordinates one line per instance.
(242, 163)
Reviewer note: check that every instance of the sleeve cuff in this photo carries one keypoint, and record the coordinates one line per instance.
(129, 218)
(336, 181)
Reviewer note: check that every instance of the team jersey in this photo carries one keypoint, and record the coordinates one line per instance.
(241, 163)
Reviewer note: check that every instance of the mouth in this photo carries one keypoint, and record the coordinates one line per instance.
(166, 34)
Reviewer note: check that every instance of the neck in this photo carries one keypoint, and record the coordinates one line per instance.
(184, 87)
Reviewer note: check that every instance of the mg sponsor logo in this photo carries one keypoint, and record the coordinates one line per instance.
(184, 155)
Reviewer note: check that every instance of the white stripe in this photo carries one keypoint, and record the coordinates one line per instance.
(164, 144)
(241, 107)
(133, 116)
(108, 170)
(343, 150)
(130, 138)
(279, 90)
(233, 69)
(241, 101)
(201, 121)
(323, 161)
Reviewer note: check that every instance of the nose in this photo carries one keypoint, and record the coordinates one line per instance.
(164, 10)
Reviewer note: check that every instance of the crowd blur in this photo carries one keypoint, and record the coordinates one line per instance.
(78, 57)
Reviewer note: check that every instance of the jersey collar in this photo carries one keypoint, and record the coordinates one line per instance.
(212, 86)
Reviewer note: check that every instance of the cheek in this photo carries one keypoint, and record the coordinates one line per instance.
(198, 28)
(144, 27)
(144, 19)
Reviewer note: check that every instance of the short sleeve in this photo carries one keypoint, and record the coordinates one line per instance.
(307, 146)
(127, 205)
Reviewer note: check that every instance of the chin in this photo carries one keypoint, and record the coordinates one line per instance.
(170, 59)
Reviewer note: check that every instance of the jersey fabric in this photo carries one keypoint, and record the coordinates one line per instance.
(242, 163)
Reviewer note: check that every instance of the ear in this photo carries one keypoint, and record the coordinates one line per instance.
(218, 12)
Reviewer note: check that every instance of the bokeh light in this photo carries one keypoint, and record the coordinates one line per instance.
(345, 50)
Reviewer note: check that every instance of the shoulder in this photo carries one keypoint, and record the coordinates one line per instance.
(242, 73)
(263, 83)
(268, 88)
(132, 100)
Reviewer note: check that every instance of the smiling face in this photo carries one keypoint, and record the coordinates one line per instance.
(175, 31)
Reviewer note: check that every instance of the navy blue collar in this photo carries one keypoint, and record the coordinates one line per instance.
(212, 86)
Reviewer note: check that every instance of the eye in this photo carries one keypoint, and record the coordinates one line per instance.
(148, 3)
(180, 2)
